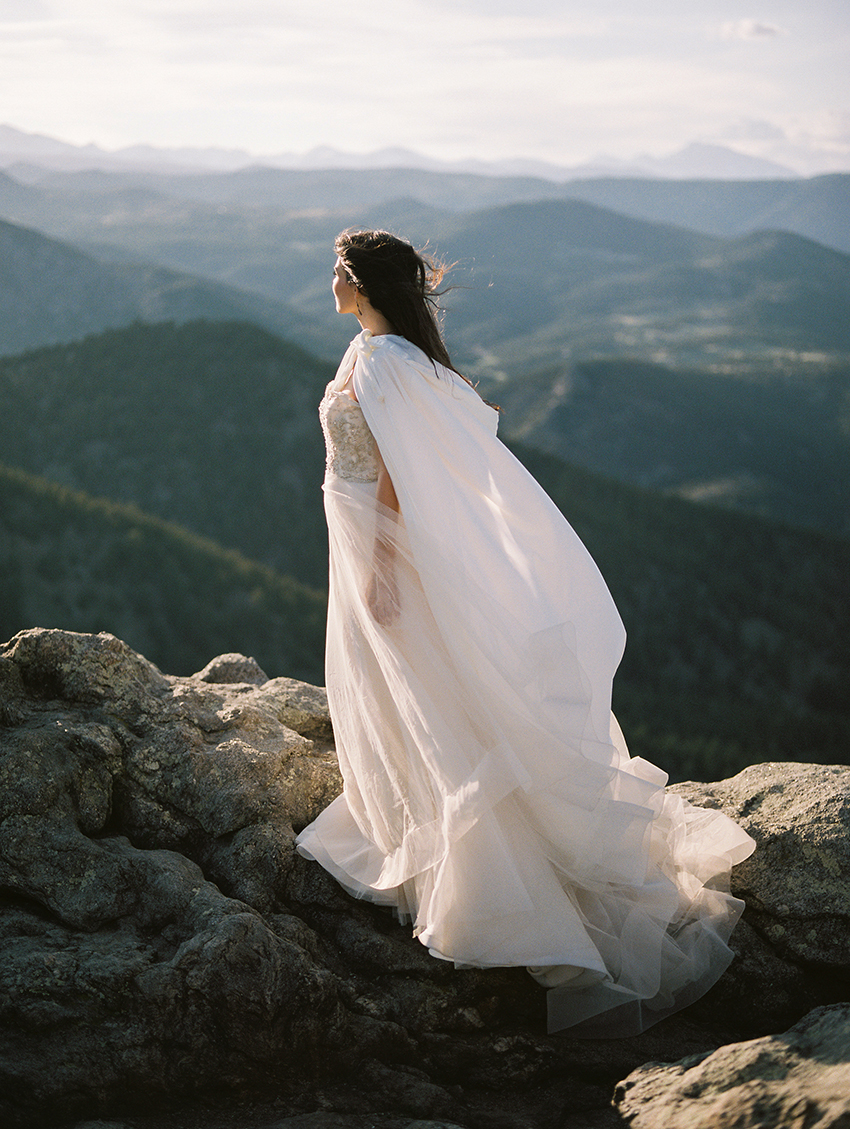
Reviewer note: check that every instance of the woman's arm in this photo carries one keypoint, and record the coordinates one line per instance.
(386, 494)
(382, 594)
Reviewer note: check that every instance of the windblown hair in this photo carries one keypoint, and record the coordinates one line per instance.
(399, 282)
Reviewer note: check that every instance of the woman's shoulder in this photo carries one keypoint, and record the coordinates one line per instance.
(391, 355)
(393, 369)
(368, 344)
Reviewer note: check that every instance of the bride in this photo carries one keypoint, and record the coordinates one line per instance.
(471, 646)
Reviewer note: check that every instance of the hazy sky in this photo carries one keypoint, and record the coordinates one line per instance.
(561, 80)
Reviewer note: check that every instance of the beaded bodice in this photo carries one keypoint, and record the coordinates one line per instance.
(351, 449)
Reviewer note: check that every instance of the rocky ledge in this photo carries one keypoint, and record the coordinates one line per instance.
(169, 960)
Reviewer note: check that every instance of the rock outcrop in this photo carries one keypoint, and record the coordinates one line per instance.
(162, 940)
(801, 1078)
(793, 943)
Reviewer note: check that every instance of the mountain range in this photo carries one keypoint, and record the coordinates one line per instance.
(737, 626)
(816, 208)
(51, 291)
(700, 349)
(696, 159)
(715, 368)
(281, 253)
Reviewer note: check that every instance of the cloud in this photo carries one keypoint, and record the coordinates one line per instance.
(749, 129)
(20, 11)
(829, 129)
(751, 29)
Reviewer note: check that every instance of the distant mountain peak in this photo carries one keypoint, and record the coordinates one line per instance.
(709, 161)
(697, 160)
(17, 146)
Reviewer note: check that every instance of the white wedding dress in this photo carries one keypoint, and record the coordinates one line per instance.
(489, 795)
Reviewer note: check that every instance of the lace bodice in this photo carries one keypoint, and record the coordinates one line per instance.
(351, 449)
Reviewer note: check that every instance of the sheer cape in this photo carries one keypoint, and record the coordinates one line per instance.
(489, 794)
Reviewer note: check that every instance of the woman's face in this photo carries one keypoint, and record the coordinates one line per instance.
(344, 290)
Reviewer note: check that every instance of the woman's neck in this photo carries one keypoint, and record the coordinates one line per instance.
(373, 320)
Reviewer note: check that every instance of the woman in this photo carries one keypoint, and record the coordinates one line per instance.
(472, 642)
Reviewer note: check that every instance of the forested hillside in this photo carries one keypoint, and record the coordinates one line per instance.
(777, 445)
(85, 564)
(52, 291)
(737, 627)
(212, 425)
(817, 208)
(585, 286)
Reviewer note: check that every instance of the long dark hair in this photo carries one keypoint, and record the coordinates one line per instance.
(399, 282)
